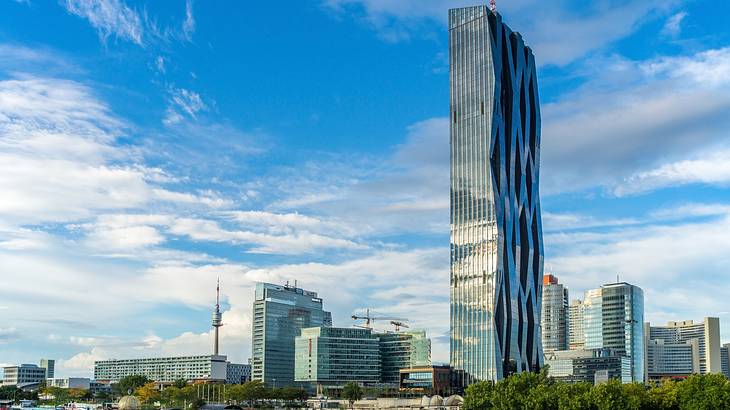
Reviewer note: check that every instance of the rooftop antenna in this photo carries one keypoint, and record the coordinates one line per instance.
(217, 315)
(493, 5)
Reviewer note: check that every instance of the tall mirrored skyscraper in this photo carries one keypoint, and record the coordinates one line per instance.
(496, 230)
(554, 315)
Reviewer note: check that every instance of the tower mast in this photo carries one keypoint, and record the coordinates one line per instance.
(217, 316)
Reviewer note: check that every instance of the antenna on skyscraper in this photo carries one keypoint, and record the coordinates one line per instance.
(493, 5)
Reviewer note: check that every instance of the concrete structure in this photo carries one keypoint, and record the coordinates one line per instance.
(217, 318)
(50, 366)
(428, 380)
(613, 318)
(70, 383)
(402, 350)
(671, 360)
(554, 316)
(592, 366)
(331, 357)
(96, 387)
(164, 369)
(496, 229)
(707, 335)
(279, 314)
(238, 373)
(576, 339)
(25, 374)
(725, 359)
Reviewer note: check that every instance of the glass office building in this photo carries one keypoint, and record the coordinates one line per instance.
(280, 312)
(403, 350)
(332, 356)
(496, 231)
(613, 317)
(706, 335)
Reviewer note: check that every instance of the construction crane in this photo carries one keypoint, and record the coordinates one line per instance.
(398, 324)
(369, 319)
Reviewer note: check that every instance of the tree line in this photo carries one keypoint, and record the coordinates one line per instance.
(538, 391)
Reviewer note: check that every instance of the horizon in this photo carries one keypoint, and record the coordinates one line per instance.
(147, 149)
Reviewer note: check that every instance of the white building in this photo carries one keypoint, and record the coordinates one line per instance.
(705, 334)
(22, 375)
(575, 325)
(163, 369)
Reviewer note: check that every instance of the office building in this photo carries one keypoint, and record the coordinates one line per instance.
(554, 317)
(23, 375)
(237, 373)
(163, 369)
(707, 335)
(591, 366)
(671, 360)
(613, 318)
(575, 325)
(496, 231)
(97, 387)
(426, 380)
(332, 356)
(50, 366)
(402, 350)
(279, 315)
(725, 359)
(70, 383)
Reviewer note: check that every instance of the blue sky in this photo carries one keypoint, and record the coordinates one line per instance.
(147, 149)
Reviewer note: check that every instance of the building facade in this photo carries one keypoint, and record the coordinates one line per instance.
(237, 373)
(163, 369)
(671, 360)
(554, 317)
(50, 366)
(706, 334)
(279, 315)
(496, 229)
(402, 350)
(591, 366)
(427, 380)
(70, 382)
(25, 374)
(725, 359)
(613, 318)
(332, 357)
(575, 325)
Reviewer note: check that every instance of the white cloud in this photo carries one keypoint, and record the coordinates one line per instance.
(560, 32)
(673, 26)
(109, 17)
(183, 101)
(188, 27)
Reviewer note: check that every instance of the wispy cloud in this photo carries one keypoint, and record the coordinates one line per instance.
(183, 102)
(109, 17)
(673, 26)
(188, 27)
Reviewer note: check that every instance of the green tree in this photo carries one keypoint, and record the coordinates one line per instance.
(478, 396)
(664, 396)
(637, 396)
(180, 383)
(131, 382)
(711, 391)
(575, 396)
(148, 393)
(352, 392)
(610, 396)
(526, 390)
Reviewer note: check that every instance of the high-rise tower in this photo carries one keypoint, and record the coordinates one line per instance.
(554, 315)
(217, 323)
(496, 229)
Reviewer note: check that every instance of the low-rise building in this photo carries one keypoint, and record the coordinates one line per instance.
(69, 382)
(238, 373)
(164, 369)
(402, 350)
(50, 366)
(331, 357)
(426, 380)
(591, 366)
(25, 374)
(672, 360)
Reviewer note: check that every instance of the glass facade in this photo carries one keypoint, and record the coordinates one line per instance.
(333, 356)
(496, 230)
(706, 334)
(613, 317)
(279, 314)
(589, 366)
(403, 350)
(725, 359)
